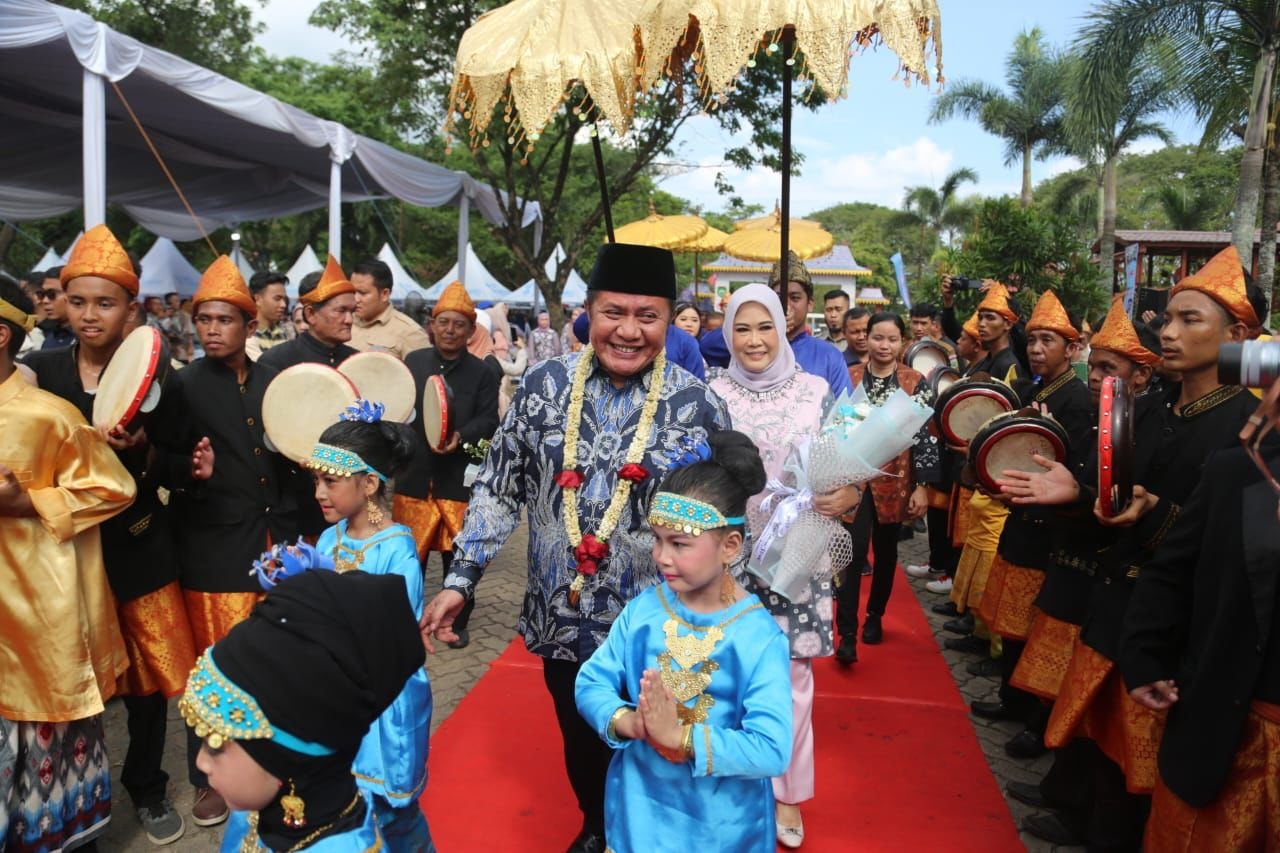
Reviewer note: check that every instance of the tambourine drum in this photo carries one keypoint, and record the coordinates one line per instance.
(926, 356)
(942, 379)
(380, 377)
(301, 403)
(963, 408)
(130, 384)
(1007, 442)
(1115, 446)
(435, 412)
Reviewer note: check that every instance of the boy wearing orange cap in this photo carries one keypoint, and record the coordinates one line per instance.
(996, 319)
(329, 309)
(232, 496)
(431, 497)
(60, 646)
(101, 287)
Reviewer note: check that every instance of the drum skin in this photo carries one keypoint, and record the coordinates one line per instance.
(380, 377)
(963, 408)
(301, 403)
(1007, 442)
(926, 357)
(130, 383)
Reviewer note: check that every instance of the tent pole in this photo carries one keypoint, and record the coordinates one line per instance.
(464, 236)
(94, 143)
(788, 57)
(335, 208)
(604, 187)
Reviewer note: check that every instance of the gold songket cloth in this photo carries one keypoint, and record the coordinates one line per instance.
(997, 300)
(99, 253)
(214, 614)
(1045, 660)
(60, 645)
(333, 282)
(1118, 335)
(1222, 280)
(434, 521)
(1008, 602)
(1050, 316)
(157, 635)
(222, 282)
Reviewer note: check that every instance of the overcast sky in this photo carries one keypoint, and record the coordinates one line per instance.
(868, 147)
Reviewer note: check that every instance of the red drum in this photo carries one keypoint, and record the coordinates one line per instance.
(300, 404)
(1115, 446)
(925, 356)
(380, 377)
(964, 407)
(130, 384)
(942, 379)
(1007, 442)
(435, 412)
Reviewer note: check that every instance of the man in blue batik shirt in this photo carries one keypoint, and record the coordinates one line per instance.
(574, 595)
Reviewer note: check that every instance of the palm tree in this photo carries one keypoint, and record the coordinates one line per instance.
(1219, 45)
(1026, 119)
(1185, 211)
(1110, 107)
(936, 210)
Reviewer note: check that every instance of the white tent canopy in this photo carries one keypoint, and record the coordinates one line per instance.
(164, 270)
(481, 284)
(242, 264)
(575, 289)
(402, 283)
(306, 264)
(50, 259)
(237, 154)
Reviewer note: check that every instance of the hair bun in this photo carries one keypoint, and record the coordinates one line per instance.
(737, 454)
(400, 443)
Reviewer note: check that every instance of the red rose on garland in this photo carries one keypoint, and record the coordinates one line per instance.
(569, 479)
(589, 554)
(633, 472)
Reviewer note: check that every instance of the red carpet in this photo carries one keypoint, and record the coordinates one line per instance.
(898, 765)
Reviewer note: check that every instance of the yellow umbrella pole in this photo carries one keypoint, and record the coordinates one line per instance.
(788, 57)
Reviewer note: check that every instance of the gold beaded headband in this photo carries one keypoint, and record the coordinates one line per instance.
(688, 515)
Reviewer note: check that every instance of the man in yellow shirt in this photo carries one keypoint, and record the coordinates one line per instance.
(378, 324)
(60, 645)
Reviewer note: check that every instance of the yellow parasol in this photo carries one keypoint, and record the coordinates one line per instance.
(722, 37)
(773, 220)
(711, 241)
(663, 232)
(765, 244)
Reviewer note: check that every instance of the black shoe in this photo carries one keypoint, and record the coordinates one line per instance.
(918, 526)
(1026, 744)
(1048, 827)
(961, 625)
(464, 640)
(872, 633)
(905, 533)
(996, 710)
(1027, 793)
(946, 608)
(865, 571)
(969, 645)
(985, 668)
(588, 841)
(847, 653)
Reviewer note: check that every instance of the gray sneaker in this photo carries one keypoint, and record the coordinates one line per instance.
(162, 823)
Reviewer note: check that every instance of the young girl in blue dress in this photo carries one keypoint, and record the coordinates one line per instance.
(692, 685)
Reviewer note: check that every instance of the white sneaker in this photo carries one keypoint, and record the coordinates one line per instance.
(921, 571)
(941, 586)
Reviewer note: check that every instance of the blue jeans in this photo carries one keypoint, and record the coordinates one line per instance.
(404, 829)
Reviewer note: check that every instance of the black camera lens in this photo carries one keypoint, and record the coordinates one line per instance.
(1253, 364)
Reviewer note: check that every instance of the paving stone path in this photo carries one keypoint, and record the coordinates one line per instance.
(453, 672)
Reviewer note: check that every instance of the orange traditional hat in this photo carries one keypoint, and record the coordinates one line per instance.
(1222, 280)
(455, 298)
(997, 300)
(1049, 315)
(1118, 335)
(970, 326)
(222, 282)
(333, 282)
(99, 253)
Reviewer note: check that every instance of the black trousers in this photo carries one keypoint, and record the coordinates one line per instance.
(586, 756)
(1027, 705)
(142, 774)
(883, 541)
(197, 779)
(463, 618)
(942, 555)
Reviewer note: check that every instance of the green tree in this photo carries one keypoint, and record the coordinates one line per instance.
(1028, 118)
(1218, 45)
(1185, 211)
(933, 211)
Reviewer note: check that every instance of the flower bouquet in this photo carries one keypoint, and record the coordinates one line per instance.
(855, 442)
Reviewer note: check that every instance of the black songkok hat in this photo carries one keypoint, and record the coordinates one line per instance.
(320, 658)
(638, 270)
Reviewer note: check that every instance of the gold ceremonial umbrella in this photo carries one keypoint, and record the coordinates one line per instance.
(663, 232)
(712, 241)
(771, 220)
(765, 244)
(722, 37)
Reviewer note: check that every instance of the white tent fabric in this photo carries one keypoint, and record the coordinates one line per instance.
(306, 264)
(480, 282)
(50, 259)
(238, 154)
(402, 283)
(242, 264)
(575, 289)
(164, 269)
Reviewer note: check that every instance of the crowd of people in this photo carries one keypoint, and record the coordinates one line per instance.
(640, 444)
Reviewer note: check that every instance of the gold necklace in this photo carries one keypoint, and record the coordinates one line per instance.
(251, 841)
(635, 453)
(689, 651)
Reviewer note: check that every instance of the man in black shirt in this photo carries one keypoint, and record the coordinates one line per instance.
(329, 308)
